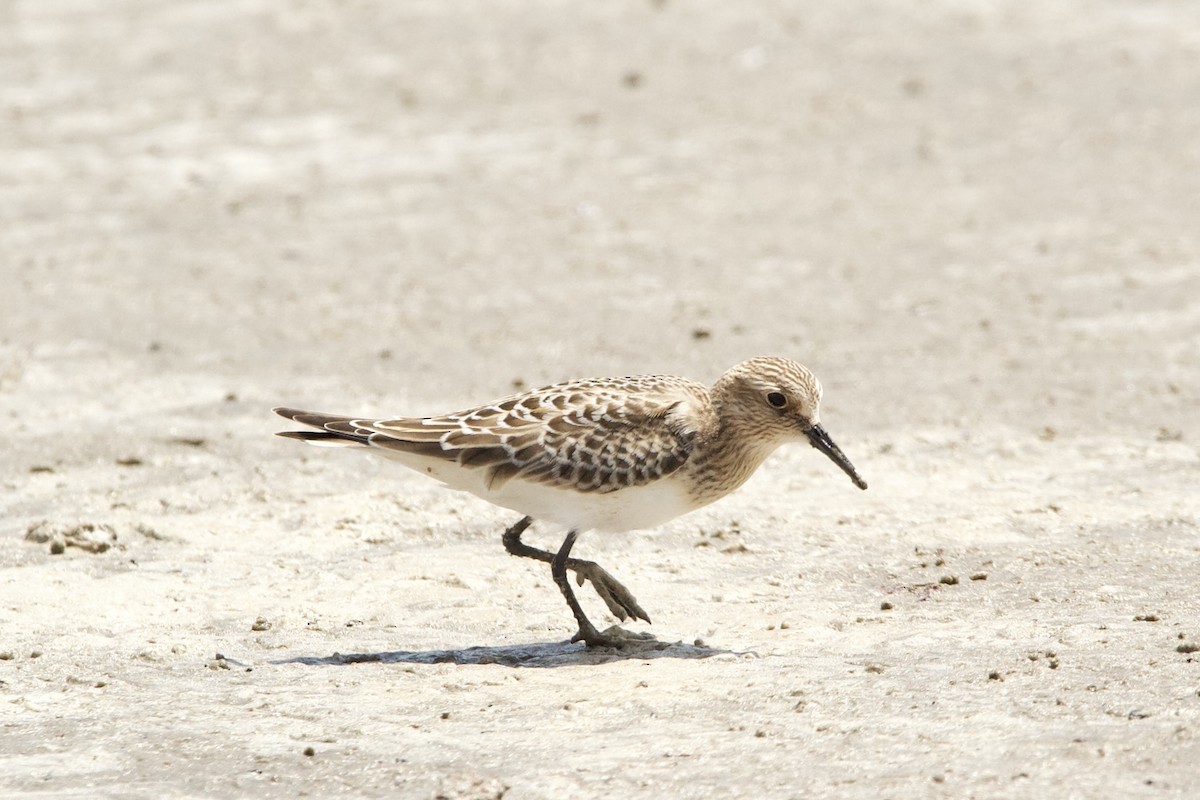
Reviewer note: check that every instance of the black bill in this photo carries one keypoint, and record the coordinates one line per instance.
(820, 440)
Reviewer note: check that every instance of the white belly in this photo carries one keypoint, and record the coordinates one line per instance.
(623, 510)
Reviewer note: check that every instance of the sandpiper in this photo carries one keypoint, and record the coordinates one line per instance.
(605, 454)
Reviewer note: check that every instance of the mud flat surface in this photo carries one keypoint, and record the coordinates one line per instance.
(978, 223)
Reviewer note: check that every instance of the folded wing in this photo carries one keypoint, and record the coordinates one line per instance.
(590, 440)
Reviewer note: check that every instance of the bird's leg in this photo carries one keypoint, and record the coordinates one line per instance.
(618, 599)
(587, 631)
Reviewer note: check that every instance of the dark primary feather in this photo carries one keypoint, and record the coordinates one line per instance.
(332, 427)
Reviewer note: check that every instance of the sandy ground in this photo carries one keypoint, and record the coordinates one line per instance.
(978, 222)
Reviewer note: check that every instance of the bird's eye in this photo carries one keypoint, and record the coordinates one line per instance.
(776, 399)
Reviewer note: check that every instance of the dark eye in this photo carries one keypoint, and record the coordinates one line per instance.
(776, 399)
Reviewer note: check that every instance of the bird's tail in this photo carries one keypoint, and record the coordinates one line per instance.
(332, 430)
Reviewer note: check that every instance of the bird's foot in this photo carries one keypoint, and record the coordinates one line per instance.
(618, 599)
(614, 636)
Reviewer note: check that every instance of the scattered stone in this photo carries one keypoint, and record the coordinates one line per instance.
(149, 532)
(261, 624)
(87, 536)
(1146, 618)
(1168, 435)
(885, 606)
(39, 532)
(75, 681)
(1187, 648)
(308, 751)
(465, 787)
(995, 676)
(979, 576)
(949, 580)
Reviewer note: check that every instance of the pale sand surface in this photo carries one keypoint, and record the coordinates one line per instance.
(978, 222)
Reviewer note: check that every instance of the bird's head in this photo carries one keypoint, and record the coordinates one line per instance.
(778, 400)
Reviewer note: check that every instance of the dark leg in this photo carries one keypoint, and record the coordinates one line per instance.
(587, 632)
(615, 596)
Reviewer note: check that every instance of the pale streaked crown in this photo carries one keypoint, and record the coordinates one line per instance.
(776, 394)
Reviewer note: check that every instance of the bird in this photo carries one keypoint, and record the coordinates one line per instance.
(603, 454)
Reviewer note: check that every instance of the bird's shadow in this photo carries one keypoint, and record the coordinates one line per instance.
(535, 654)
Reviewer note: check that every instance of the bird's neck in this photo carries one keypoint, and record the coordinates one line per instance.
(727, 457)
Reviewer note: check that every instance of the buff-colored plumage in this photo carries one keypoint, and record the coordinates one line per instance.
(607, 454)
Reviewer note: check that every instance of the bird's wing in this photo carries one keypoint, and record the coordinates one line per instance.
(591, 436)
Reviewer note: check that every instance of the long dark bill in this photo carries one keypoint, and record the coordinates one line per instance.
(820, 440)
